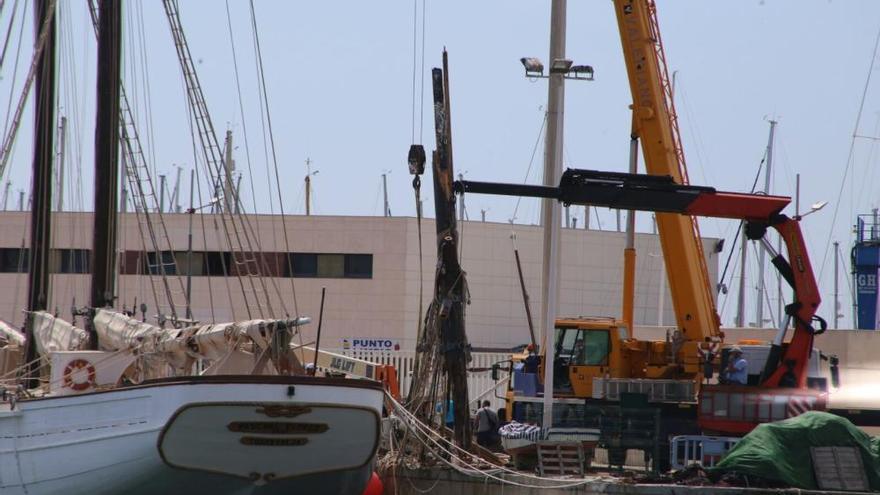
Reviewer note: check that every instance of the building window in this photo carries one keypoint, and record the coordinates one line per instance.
(13, 260)
(74, 260)
(217, 263)
(304, 265)
(67, 261)
(358, 266)
(168, 265)
(220, 263)
(330, 265)
(194, 266)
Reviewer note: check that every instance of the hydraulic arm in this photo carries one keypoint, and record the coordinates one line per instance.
(787, 366)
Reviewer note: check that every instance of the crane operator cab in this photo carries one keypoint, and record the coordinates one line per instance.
(586, 348)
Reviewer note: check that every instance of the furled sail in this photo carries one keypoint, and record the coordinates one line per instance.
(10, 335)
(53, 334)
(237, 345)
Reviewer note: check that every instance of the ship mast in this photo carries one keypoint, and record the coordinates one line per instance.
(41, 205)
(103, 261)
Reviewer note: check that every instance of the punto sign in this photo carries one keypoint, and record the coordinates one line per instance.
(370, 344)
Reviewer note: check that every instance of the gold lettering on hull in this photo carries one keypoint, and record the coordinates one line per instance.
(274, 442)
(284, 411)
(276, 427)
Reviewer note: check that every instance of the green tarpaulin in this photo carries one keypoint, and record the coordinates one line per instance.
(780, 451)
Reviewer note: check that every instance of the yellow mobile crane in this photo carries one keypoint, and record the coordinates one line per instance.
(655, 124)
(598, 358)
(588, 349)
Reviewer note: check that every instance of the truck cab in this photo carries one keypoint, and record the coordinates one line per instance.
(587, 348)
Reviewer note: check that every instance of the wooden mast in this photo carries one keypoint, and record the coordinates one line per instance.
(450, 291)
(103, 260)
(41, 188)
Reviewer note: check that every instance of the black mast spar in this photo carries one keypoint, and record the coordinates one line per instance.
(41, 187)
(103, 259)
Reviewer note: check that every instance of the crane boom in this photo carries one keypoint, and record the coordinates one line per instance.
(655, 122)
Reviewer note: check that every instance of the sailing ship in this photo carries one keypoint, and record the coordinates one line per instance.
(121, 408)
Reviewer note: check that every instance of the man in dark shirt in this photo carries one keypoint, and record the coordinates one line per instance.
(486, 425)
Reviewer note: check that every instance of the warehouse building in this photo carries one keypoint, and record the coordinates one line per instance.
(370, 267)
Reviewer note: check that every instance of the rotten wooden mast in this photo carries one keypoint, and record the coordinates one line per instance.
(450, 291)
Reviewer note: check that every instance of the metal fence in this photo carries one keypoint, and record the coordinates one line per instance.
(480, 383)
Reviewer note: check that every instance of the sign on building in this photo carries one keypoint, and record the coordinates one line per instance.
(370, 344)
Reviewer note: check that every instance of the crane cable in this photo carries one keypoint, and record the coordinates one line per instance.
(417, 181)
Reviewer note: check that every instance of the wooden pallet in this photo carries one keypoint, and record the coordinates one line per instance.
(560, 459)
(839, 468)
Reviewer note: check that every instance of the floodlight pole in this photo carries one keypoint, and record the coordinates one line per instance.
(550, 209)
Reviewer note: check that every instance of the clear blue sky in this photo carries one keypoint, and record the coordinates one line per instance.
(339, 78)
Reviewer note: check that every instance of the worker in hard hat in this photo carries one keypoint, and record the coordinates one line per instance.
(737, 372)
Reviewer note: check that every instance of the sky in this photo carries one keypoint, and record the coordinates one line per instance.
(339, 79)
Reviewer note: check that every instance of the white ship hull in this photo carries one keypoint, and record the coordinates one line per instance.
(216, 435)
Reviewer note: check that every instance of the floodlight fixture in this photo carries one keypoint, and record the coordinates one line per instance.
(533, 65)
(560, 66)
(581, 72)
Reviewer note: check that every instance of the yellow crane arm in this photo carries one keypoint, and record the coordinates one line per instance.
(655, 122)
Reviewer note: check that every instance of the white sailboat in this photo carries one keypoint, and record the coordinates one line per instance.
(121, 409)
(93, 429)
(197, 434)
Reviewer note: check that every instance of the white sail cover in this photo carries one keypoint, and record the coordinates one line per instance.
(53, 334)
(179, 347)
(11, 335)
(118, 331)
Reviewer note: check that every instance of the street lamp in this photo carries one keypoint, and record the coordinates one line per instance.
(535, 69)
(813, 209)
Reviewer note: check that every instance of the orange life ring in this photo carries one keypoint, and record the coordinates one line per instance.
(78, 365)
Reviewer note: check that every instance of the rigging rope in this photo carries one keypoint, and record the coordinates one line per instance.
(9, 138)
(8, 33)
(247, 147)
(531, 163)
(262, 76)
(739, 230)
(467, 463)
(14, 75)
(849, 160)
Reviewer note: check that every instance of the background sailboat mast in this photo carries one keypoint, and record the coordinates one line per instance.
(44, 151)
(106, 155)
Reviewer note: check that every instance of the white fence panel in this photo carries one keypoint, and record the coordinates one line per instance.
(480, 384)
